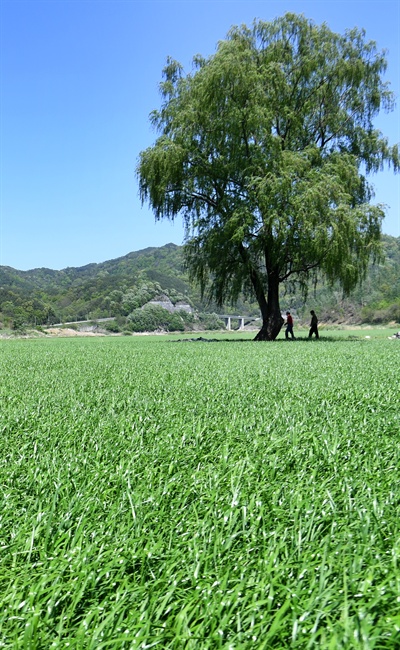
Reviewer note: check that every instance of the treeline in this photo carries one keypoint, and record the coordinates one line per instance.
(151, 318)
(111, 289)
(121, 288)
(376, 301)
(116, 289)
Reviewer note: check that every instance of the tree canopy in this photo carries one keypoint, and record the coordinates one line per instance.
(264, 150)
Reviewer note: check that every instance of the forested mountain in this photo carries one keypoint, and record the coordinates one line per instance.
(118, 287)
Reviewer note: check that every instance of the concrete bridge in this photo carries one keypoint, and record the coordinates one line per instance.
(242, 320)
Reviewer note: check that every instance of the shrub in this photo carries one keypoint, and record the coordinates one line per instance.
(112, 326)
(378, 314)
(176, 323)
(211, 322)
(148, 319)
(18, 324)
(153, 317)
(187, 316)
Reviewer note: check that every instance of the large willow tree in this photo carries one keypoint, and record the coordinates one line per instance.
(264, 151)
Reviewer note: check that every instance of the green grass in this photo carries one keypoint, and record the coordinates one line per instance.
(232, 494)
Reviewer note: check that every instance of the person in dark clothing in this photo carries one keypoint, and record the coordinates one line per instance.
(289, 325)
(313, 325)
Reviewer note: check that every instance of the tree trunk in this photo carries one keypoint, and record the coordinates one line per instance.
(270, 311)
(269, 305)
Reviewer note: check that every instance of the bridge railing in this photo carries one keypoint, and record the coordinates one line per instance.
(243, 320)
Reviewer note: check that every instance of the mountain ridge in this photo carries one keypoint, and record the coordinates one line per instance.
(117, 286)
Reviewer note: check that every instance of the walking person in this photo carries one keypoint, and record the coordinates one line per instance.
(313, 325)
(289, 326)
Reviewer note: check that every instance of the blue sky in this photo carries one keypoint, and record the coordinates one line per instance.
(78, 79)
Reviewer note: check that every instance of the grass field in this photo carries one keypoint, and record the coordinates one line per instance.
(158, 493)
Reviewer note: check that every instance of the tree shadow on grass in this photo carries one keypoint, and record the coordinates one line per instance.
(323, 339)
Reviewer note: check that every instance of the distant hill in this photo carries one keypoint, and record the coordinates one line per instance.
(117, 287)
(99, 290)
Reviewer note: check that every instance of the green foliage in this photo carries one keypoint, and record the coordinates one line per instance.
(211, 322)
(112, 288)
(18, 324)
(112, 326)
(375, 300)
(263, 151)
(380, 290)
(185, 495)
(187, 317)
(381, 313)
(154, 317)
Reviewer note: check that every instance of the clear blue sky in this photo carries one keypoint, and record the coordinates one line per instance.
(78, 81)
